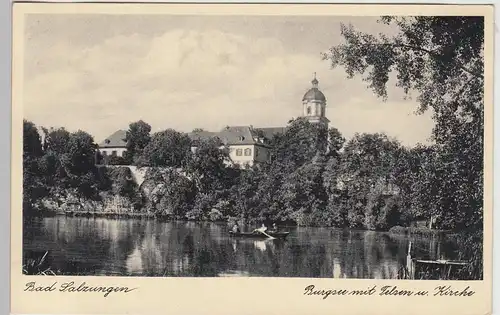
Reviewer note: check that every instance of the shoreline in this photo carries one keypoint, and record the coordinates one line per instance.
(396, 230)
(113, 215)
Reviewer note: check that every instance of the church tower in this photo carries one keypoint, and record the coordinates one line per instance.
(314, 105)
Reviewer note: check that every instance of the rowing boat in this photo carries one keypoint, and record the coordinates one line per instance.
(280, 235)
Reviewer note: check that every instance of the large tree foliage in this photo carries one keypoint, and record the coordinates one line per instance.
(303, 194)
(55, 139)
(63, 166)
(300, 142)
(170, 193)
(335, 142)
(414, 176)
(137, 138)
(361, 179)
(243, 195)
(167, 148)
(207, 165)
(441, 60)
(32, 151)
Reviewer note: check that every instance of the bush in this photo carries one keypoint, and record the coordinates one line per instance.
(215, 215)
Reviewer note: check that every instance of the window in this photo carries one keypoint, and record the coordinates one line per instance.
(308, 110)
(241, 138)
(114, 153)
(239, 152)
(256, 152)
(248, 152)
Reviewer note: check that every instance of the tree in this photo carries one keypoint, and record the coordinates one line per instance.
(366, 173)
(269, 193)
(32, 152)
(32, 144)
(137, 139)
(79, 153)
(166, 148)
(76, 165)
(336, 208)
(442, 60)
(414, 176)
(243, 195)
(172, 193)
(55, 139)
(68, 164)
(207, 165)
(62, 166)
(335, 142)
(300, 142)
(304, 196)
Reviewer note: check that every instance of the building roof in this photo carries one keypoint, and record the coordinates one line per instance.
(201, 135)
(115, 140)
(238, 135)
(269, 132)
(234, 135)
(314, 94)
(230, 135)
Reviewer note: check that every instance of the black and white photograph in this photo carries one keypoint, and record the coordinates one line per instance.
(240, 145)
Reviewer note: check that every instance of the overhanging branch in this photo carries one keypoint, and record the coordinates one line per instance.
(434, 55)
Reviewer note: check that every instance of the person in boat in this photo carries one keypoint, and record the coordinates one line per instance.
(236, 228)
(275, 228)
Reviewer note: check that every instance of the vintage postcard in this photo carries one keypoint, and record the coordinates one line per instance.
(251, 159)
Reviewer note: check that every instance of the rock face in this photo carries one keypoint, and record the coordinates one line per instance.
(138, 173)
(128, 189)
(108, 203)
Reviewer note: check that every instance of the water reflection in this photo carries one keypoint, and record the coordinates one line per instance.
(98, 246)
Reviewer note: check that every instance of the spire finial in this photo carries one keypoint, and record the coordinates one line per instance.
(315, 81)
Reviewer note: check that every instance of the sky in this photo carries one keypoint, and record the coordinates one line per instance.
(100, 72)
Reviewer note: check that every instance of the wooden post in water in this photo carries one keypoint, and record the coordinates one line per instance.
(409, 264)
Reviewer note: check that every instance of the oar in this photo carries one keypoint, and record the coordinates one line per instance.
(266, 234)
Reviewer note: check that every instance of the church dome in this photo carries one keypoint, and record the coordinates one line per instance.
(314, 94)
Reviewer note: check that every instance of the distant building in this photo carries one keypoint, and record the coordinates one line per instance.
(247, 145)
(114, 145)
(314, 105)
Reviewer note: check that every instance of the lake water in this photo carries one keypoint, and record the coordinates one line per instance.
(142, 247)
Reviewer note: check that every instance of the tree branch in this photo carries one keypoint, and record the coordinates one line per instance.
(433, 55)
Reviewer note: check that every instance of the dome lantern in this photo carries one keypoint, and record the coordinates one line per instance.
(314, 104)
(314, 94)
(315, 81)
